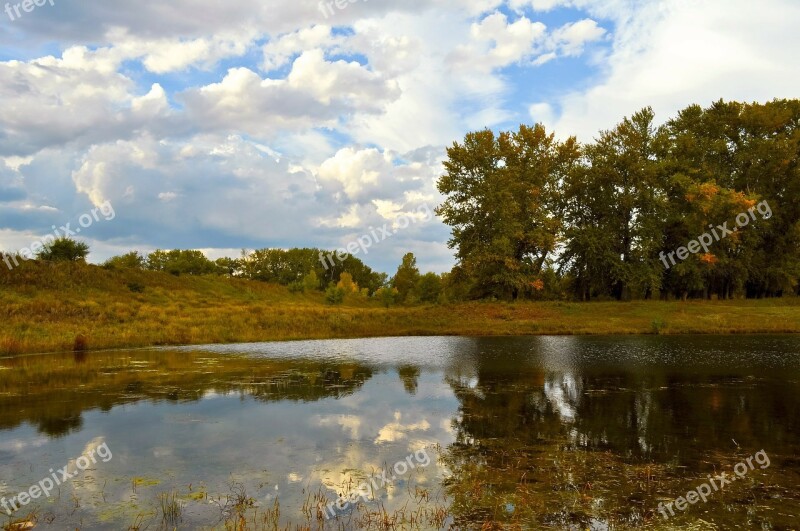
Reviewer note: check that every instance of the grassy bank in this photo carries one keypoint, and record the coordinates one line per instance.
(45, 308)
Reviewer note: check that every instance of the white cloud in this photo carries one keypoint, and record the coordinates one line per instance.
(261, 124)
(316, 92)
(675, 53)
(571, 38)
(169, 54)
(278, 52)
(497, 43)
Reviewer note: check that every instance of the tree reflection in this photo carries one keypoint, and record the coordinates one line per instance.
(588, 446)
(409, 375)
(52, 391)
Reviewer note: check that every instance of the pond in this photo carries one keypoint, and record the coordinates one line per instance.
(407, 433)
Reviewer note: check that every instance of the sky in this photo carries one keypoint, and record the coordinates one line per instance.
(233, 125)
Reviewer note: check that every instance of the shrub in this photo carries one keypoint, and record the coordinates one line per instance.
(81, 343)
(135, 287)
(311, 282)
(334, 294)
(64, 250)
(132, 260)
(387, 296)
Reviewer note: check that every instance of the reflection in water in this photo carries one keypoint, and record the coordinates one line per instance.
(52, 391)
(533, 432)
(596, 434)
(410, 377)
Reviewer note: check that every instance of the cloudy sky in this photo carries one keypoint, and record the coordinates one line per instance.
(292, 123)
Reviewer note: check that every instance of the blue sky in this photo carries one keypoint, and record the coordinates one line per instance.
(223, 126)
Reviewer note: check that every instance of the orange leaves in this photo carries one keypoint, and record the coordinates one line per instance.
(709, 259)
(537, 285)
(703, 192)
(708, 190)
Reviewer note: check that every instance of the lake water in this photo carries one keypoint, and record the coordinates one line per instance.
(425, 433)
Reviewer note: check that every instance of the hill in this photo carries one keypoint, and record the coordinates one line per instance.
(47, 307)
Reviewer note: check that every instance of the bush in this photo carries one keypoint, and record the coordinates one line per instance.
(81, 343)
(132, 260)
(311, 282)
(177, 262)
(297, 287)
(429, 287)
(334, 294)
(387, 296)
(135, 287)
(64, 250)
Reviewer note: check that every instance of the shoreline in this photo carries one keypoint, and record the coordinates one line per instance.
(141, 324)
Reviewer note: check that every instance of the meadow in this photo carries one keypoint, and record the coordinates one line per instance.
(50, 307)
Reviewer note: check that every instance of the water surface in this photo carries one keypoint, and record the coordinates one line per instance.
(559, 432)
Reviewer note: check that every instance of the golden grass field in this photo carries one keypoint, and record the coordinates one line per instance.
(47, 308)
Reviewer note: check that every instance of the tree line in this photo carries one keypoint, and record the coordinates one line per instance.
(538, 218)
(533, 216)
(300, 270)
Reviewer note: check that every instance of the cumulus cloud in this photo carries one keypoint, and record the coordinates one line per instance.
(317, 92)
(674, 53)
(497, 42)
(262, 124)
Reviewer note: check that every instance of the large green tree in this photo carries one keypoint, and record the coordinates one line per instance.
(614, 205)
(406, 279)
(501, 203)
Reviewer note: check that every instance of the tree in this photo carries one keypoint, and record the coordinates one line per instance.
(387, 296)
(228, 266)
(502, 205)
(311, 282)
(406, 278)
(131, 260)
(286, 266)
(64, 250)
(346, 284)
(334, 294)
(178, 262)
(614, 209)
(429, 287)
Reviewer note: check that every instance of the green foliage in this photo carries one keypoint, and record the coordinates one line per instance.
(64, 250)
(429, 287)
(135, 287)
(612, 208)
(311, 282)
(387, 296)
(179, 262)
(286, 266)
(406, 278)
(131, 260)
(608, 212)
(502, 204)
(228, 266)
(334, 294)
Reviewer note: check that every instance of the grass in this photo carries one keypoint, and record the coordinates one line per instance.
(66, 307)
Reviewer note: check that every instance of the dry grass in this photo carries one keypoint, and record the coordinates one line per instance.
(46, 308)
